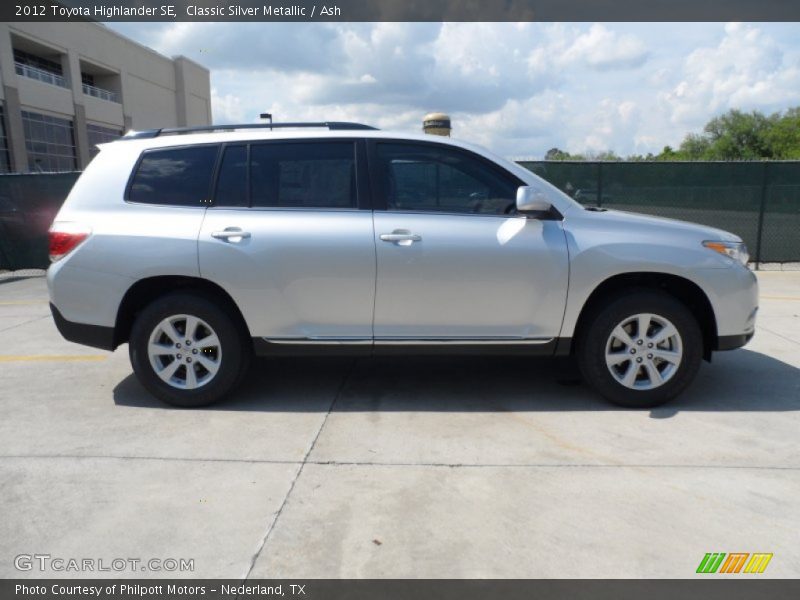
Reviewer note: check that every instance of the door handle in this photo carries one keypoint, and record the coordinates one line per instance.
(401, 237)
(230, 234)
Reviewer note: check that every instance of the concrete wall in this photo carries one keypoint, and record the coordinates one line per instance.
(152, 90)
(192, 100)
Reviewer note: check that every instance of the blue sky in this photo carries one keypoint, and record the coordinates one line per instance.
(517, 88)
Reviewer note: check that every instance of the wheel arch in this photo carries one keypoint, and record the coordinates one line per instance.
(145, 291)
(680, 288)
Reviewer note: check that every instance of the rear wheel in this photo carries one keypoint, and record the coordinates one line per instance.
(641, 350)
(187, 351)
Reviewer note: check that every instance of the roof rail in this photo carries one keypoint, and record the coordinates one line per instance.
(153, 133)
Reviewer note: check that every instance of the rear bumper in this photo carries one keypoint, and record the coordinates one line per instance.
(95, 336)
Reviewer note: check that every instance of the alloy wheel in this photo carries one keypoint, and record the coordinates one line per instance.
(644, 351)
(184, 351)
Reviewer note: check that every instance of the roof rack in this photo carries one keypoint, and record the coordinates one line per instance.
(153, 133)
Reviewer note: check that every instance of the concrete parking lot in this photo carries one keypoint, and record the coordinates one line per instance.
(417, 467)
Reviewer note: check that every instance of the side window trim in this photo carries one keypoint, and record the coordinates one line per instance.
(364, 188)
(142, 155)
(218, 167)
(379, 197)
(248, 201)
(215, 174)
(376, 185)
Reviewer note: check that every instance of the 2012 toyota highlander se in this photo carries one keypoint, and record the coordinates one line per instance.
(203, 247)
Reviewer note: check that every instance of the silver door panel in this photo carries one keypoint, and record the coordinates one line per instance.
(299, 274)
(469, 276)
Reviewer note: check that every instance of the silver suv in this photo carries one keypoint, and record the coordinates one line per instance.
(203, 247)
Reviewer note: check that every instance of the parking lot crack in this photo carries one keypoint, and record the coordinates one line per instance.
(335, 463)
(788, 339)
(428, 465)
(199, 459)
(271, 525)
(25, 323)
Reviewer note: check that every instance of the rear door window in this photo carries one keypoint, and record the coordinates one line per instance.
(303, 175)
(174, 176)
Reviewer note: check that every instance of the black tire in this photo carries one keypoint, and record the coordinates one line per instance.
(593, 340)
(234, 345)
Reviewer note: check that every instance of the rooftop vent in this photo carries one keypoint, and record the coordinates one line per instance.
(437, 123)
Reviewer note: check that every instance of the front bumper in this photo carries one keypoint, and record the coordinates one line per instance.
(733, 293)
(732, 342)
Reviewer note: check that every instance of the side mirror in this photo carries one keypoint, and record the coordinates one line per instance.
(531, 199)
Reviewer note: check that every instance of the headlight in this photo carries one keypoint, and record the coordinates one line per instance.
(735, 250)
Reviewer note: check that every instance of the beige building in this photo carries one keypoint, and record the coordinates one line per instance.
(65, 87)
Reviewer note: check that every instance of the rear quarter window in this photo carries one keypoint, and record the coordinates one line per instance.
(174, 176)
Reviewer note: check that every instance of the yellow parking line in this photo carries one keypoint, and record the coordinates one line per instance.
(779, 297)
(51, 357)
(19, 302)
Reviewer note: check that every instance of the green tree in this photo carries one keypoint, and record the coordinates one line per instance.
(734, 135)
(558, 154)
(738, 135)
(606, 155)
(694, 147)
(668, 154)
(783, 138)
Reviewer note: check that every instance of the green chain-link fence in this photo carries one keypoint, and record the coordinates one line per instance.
(28, 204)
(760, 201)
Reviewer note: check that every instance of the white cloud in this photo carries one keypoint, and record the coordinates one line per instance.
(290, 47)
(747, 69)
(597, 48)
(519, 88)
(227, 108)
(601, 48)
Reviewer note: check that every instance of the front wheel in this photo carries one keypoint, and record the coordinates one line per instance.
(187, 351)
(641, 350)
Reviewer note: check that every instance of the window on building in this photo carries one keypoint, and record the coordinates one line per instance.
(50, 142)
(37, 62)
(174, 176)
(97, 85)
(5, 157)
(99, 134)
(41, 69)
(427, 177)
(303, 175)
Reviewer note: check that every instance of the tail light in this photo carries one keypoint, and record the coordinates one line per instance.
(65, 237)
